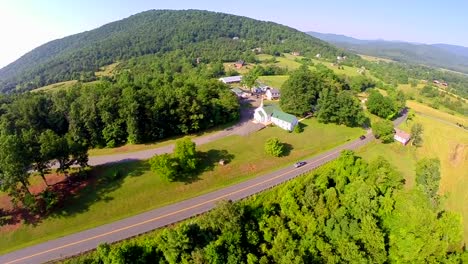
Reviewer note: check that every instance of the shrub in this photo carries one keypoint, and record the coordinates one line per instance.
(298, 128)
(274, 147)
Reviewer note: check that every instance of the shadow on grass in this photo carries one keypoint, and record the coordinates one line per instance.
(287, 148)
(102, 180)
(208, 162)
(302, 126)
(80, 191)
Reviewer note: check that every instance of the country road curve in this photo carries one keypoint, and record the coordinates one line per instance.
(89, 239)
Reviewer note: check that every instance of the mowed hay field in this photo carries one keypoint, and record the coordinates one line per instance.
(427, 110)
(275, 81)
(122, 190)
(56, 86)
(441, 139)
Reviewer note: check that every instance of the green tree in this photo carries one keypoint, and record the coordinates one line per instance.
(428, 177)
(274, 147)
(339, 108)
(15, 162)
(164, 166)
(399, 100)
(250, 79)
(360, 83)
(383, 130)
(300, 92)
(381, 106)
(416, 134)
(185, 155)
(47, 153)
(411, 115)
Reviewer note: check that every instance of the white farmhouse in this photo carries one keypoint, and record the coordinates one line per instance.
(269, 114)
(272, 94)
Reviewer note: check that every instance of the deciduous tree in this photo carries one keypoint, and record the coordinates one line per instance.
(383, 130)
(428, 177)
(15, 162)
(274, 147)
(164, 166)
(382, 106)
(185, 154)
(416, 134)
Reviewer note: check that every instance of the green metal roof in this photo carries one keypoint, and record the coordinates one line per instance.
(283, 116)
(236, 90)
(269, 109)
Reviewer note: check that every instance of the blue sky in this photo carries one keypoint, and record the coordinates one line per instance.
(26, 24)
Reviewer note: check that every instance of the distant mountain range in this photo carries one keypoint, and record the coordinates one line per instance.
(445, 56)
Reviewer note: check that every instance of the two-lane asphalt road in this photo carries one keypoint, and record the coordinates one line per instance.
(132, 226)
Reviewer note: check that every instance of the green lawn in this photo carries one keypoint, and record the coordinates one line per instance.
(448, 143)
(138, 190)
(275, 81)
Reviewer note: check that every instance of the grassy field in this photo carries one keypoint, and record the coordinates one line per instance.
(56, 86)
(372, 58)
(275, 81)
(285, 61)
(454, 118)
(442, 140)
(107, 70)
(138, 190)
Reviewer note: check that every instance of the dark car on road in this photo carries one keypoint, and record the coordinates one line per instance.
(299, 164)
(362, 137)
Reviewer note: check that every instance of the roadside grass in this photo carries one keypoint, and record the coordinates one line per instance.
(441, 140)
(127, 148)
(56, 86)
(275, 81)
(122, 190)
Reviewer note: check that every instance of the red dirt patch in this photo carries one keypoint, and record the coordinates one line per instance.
(63, 188)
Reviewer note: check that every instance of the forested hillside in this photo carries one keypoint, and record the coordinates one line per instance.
(199, 34)
(437, 55)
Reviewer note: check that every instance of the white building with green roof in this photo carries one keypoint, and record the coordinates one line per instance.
(270, 114)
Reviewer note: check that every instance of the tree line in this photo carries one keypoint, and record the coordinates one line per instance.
(331, 97)
(348, 211)
(133, 107)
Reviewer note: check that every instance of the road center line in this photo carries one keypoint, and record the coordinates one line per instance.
(172, 213)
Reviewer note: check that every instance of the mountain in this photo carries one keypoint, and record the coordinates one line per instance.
(209, 35)
(458, 50)
(446, 56)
